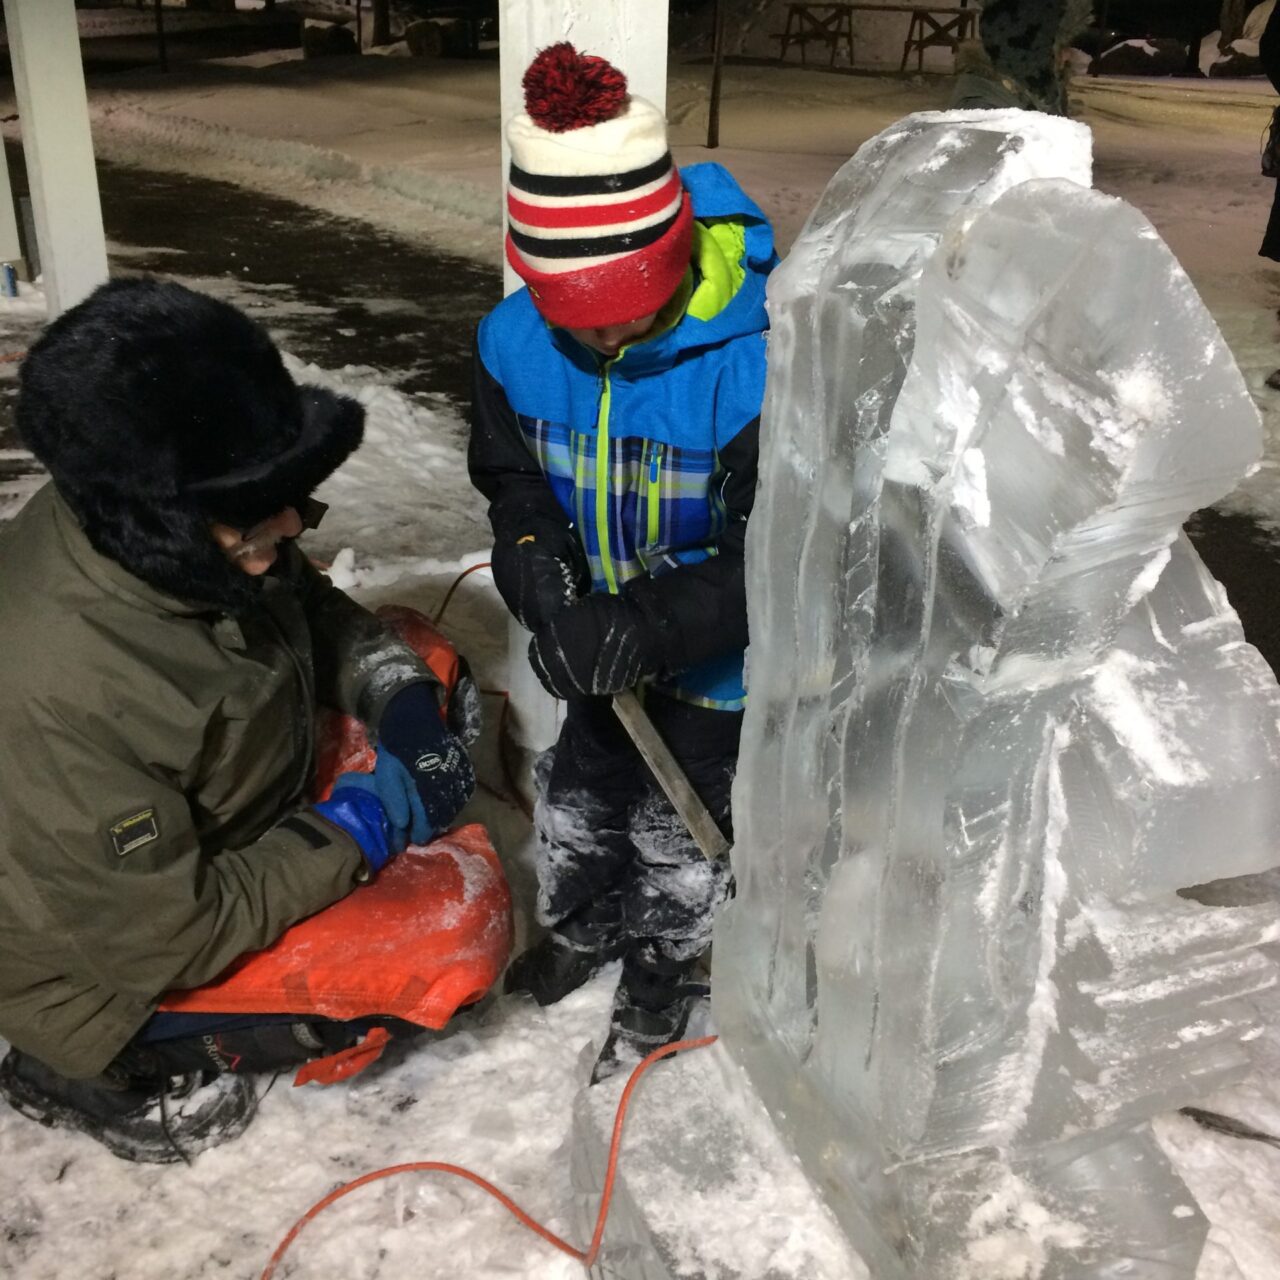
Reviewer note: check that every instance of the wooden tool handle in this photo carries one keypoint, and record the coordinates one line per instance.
(657, 755)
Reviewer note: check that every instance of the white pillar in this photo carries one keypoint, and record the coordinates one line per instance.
(10, 244)
(632, 34)
(44, 44)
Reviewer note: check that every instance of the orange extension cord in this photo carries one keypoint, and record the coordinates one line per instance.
(457, 582)
(585, 1256)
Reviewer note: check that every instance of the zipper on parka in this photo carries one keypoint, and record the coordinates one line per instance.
(653, 495)
(602, 477)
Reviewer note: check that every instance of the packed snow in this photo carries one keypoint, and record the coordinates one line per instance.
(413, 148)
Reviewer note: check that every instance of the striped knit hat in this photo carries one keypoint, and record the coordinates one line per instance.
(599, 226)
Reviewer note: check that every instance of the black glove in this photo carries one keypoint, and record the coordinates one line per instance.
(538, 571)
(428, 758)
(597, 645)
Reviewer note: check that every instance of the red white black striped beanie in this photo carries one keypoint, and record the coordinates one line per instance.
(599, 225)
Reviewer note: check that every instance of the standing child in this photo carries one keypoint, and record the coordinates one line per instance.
(614, 432)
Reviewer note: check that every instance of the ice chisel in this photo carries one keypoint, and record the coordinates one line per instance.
(702, 826)
(1229, 1125)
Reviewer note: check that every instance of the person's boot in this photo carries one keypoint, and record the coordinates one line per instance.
(572, 953)
(156, 1120)
(650, 1009)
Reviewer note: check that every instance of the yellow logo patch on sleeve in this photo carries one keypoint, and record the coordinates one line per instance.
(134, 831)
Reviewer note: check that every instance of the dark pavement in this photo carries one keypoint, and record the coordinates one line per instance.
(1245, 558)
(333, 291)
(365, 297)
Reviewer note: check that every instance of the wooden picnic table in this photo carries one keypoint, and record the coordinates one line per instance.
(931, 25)
(828, 24)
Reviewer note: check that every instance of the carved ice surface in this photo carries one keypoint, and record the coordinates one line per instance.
(999, 716)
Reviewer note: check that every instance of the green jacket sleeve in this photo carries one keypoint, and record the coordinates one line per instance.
(114, 863)
(359, 663)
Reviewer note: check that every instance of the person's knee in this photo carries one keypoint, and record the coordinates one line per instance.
(578, 819)
(662, 837)
(584, 849)
(571, 878)
(674, 904)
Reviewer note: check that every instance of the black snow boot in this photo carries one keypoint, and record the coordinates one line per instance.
(650, 1009)
(572, 953)
(148, 1120)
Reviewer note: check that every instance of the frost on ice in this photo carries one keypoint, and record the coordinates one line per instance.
(1001, 720)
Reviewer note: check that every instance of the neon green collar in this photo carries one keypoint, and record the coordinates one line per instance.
(718, 249)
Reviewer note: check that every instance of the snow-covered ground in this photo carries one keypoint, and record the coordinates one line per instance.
(413, 148)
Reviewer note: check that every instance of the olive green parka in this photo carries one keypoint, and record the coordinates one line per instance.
(154, 762)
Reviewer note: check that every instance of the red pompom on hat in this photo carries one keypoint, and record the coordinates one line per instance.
(599, 225)
(565, 89)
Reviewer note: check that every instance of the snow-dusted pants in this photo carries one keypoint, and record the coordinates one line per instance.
(611, 847)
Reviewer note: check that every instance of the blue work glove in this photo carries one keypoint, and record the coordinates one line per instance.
(428, 763)
(393, 786)
(358, 812)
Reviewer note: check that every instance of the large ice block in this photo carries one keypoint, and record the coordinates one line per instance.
(999, 716)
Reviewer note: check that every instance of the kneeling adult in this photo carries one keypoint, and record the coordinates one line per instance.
(165, 647)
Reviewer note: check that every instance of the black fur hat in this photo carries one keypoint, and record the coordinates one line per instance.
(157, 410)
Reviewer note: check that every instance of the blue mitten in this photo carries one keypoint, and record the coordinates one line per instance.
(359, 813)
(432, 761)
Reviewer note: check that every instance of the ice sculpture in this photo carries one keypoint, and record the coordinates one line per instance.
(999, 716)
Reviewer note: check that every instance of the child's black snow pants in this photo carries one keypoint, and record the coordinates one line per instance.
(610, 846)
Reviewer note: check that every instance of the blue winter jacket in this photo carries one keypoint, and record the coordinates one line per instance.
(650, 457)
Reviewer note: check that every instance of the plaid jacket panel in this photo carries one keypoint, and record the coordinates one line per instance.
(660, 504)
